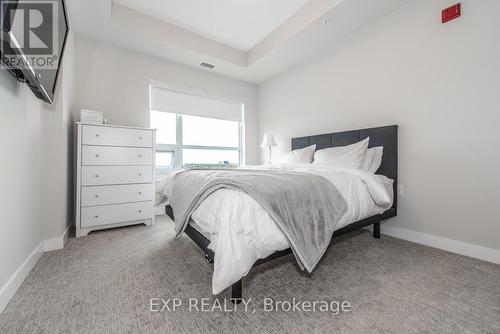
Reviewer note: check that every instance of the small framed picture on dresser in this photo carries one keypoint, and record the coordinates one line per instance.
(93, 117)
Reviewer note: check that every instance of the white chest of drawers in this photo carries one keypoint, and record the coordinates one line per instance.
(114, 177)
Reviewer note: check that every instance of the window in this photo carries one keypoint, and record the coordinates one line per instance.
(185, 140)
(204, 131)
(210, 158)
(165, 123)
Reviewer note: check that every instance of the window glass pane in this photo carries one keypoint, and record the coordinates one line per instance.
(210, 158)
(202, 131)
(165, 122)
(164, 159)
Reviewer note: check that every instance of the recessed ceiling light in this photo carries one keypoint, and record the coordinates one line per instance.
(207, 65)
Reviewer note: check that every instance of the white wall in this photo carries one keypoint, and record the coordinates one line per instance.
(58, 153)
(116, 81)
(20, 178)
(439, 83)
(36, 174)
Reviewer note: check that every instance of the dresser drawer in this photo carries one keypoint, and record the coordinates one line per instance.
(110, 214)
(103, 175)
(108, 155)
(100, 135)
(104, 195)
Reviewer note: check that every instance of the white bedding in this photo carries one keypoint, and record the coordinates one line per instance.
(241, 232)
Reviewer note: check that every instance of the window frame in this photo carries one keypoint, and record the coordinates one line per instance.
(177, 148)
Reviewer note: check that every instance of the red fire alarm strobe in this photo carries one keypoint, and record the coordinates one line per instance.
(451, 13)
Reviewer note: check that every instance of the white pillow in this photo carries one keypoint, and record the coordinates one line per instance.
(304, 155)
(373, 159)
(350, 156)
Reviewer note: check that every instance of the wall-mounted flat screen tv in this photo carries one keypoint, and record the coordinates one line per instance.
(33, 38)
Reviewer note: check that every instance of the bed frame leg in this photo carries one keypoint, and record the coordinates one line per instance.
(236, 292)
(209, 259)
(376, 230)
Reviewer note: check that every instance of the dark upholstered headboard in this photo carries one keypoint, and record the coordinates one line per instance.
(386, 136)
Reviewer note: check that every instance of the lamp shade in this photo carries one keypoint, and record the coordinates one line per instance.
(268, 140)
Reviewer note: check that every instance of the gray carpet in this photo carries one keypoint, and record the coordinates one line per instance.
(103, 284)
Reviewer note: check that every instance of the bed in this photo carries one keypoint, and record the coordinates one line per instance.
(386, 136)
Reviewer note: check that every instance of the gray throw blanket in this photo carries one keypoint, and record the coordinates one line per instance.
(305, 207)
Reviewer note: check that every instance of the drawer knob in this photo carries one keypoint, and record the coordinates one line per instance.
(140, 192)
(140, 155)
(96, 216)
(97, 155)
(96, 196)
(140, 138)
(97, 175)
(97, 135)
(140, 174)
(140, 211)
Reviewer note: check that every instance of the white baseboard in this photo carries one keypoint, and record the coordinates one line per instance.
(10, 288)
(454, 246)
(15, 281)
(57, 243)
